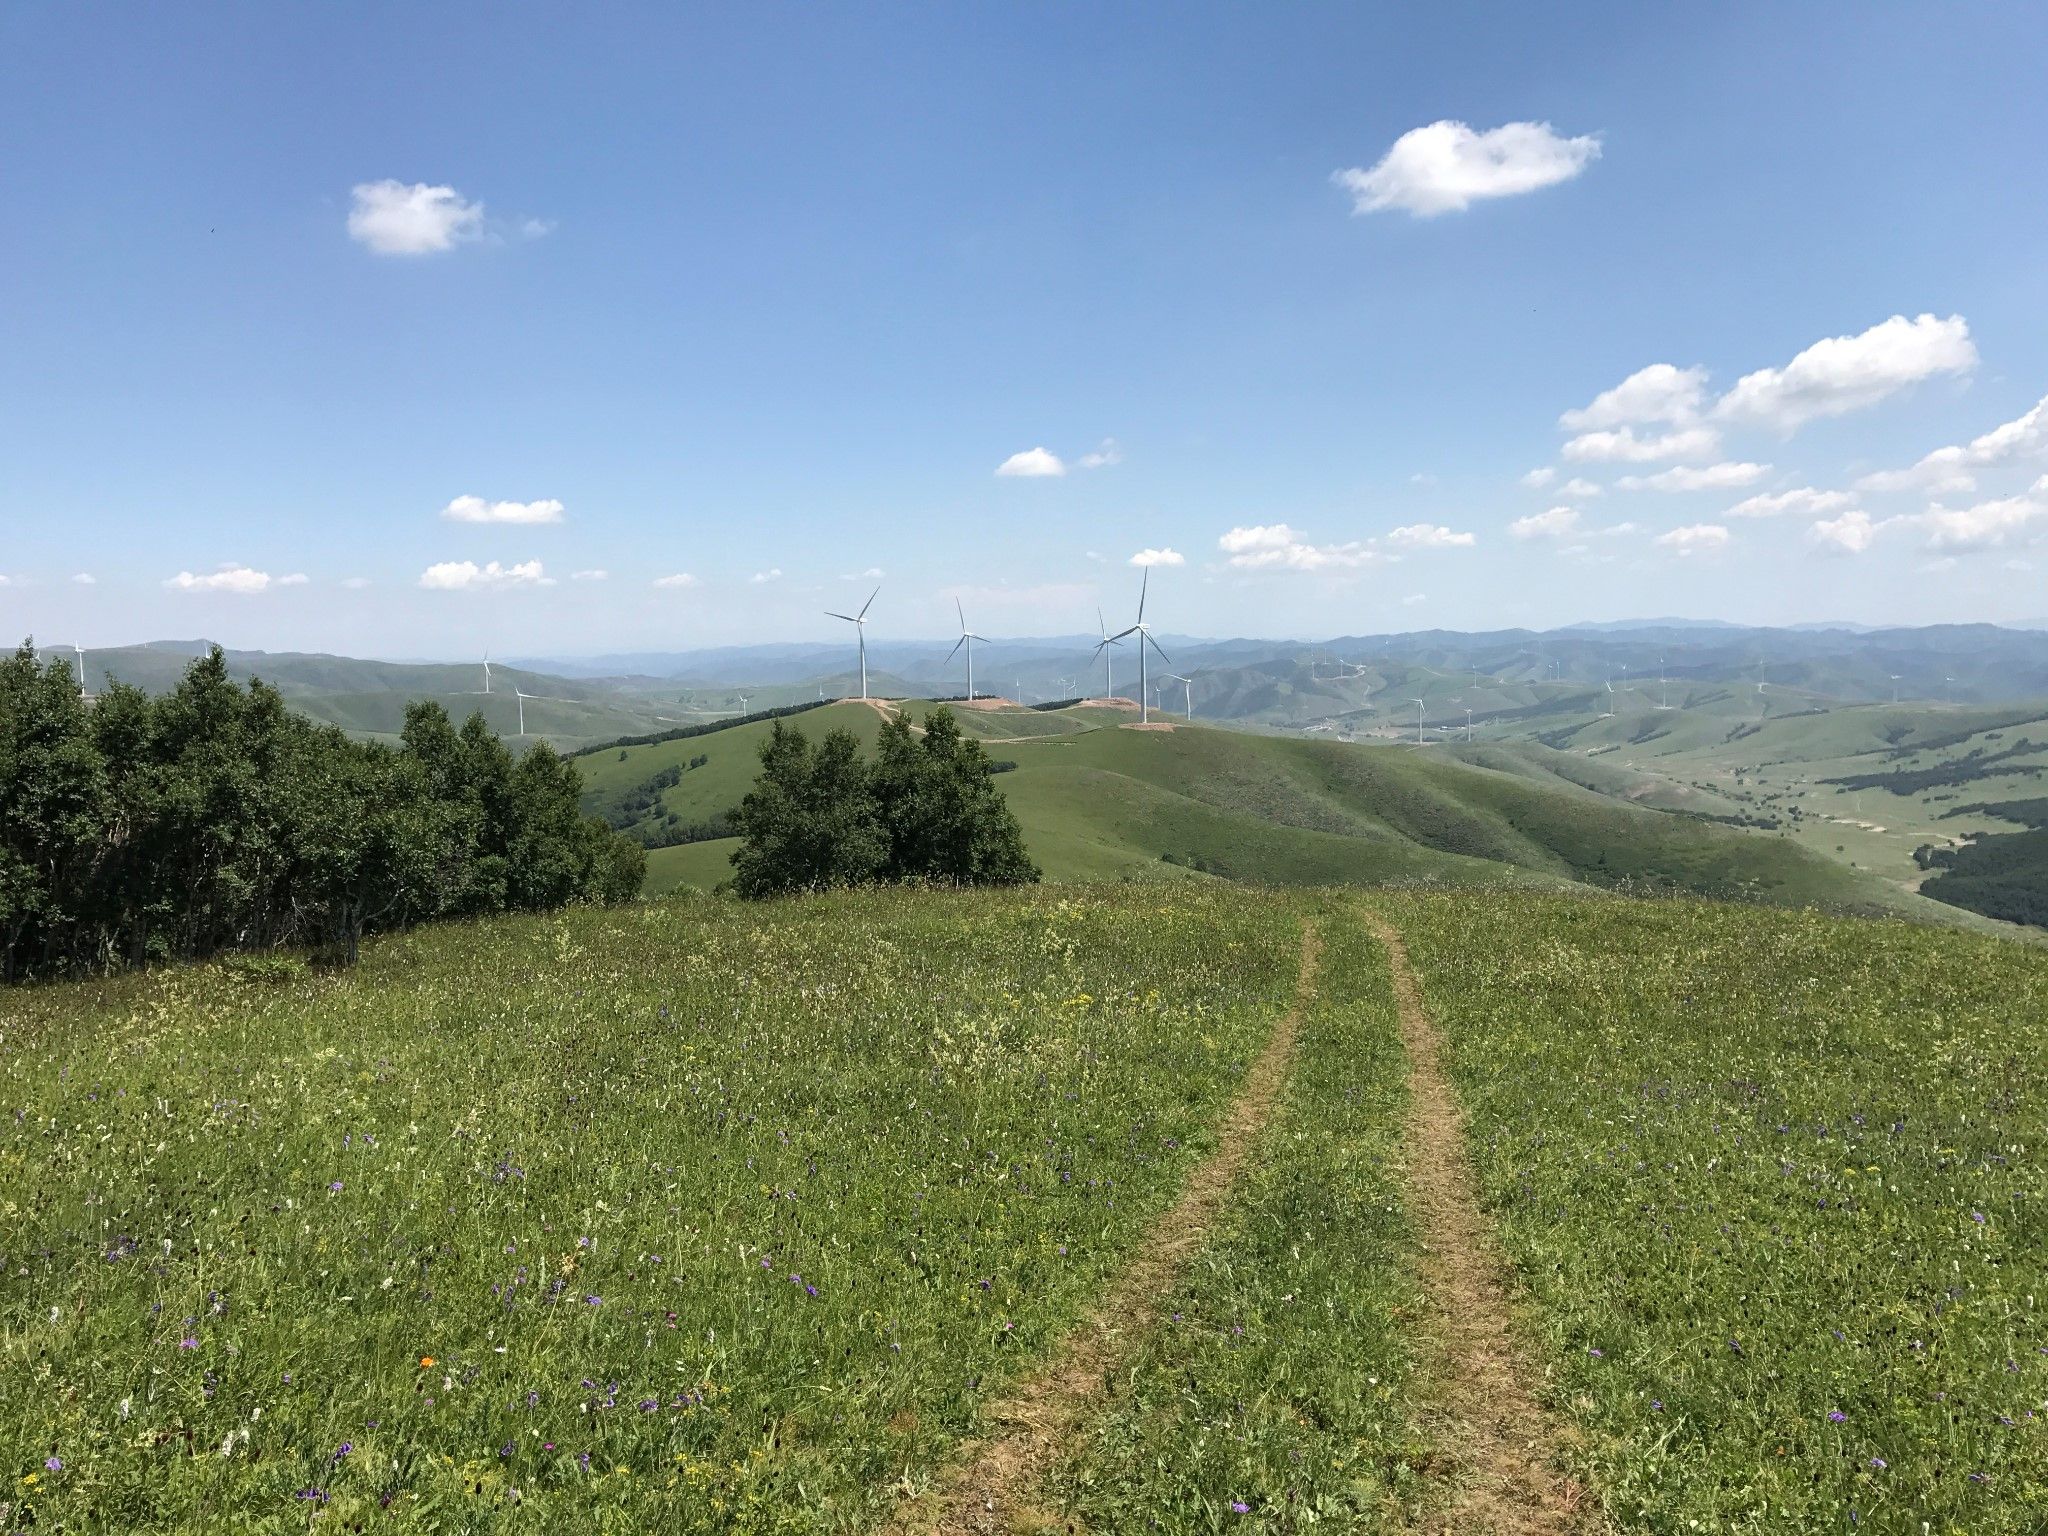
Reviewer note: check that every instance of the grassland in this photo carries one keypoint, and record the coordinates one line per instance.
(1773, 1185)
(1097, 802)
(712, 1216)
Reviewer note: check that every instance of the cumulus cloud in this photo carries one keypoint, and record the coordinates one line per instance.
(1430, 536)
(762, 578)
(238, 579)
(1850, 534)
(679, 579)
(590, 575)
(1658, 393)
(1446, 167)
(1580, 487)
(1947, 471)
(296, 579)
(872, 573)
(1988, 525)
(467, 575)
(1557, 523)
(1804, 500)
(1697, 538)
(394, 218)
(1537, 479)
(1108, 452)
(1618, 530)
(356, 583)
(85, 579)
(1847, 373)
(1032, 464)
(1621, 445)
(1277, 547)
(4, 582)
(474, 509)
(1158, 557)
(1708, 477)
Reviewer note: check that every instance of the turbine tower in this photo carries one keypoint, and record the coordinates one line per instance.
(859, 621)
(967, 638)
(81, 666)
(1187, 685)
(1420, 711)
(1144, 633)
(1108, 661)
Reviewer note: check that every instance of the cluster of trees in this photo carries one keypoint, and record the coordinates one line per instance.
(138, 828)
(925, 809)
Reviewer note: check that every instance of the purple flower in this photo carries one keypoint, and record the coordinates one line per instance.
(1977, 1217)
(342, 1453)
(595, 1301)
(188, 1342)
(1879, 1462)
(335, 1187)
(1597, 1354)
(313, 1495)
(1239, 1507)
(1836, 1416)
(1656, 1405)
(53, 1465)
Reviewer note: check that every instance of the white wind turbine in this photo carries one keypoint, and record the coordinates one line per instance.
(538, 698)
(1663, 688)
(1144, 633)
(1895, 687)
(967, 638)
(1102, 650)
(81, 666)
(1468, 726)
(1419, 713)
(487, 669)
(859, 621)
(1188, 686)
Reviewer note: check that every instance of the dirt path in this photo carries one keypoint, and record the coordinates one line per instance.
(1483, 1415)
(991, 1488)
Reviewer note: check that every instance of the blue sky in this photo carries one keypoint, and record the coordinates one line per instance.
(781, 291)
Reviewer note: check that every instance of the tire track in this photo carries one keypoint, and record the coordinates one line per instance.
(991, 1487)
(1483, 1414)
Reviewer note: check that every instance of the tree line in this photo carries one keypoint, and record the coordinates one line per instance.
(926, 809)
(136, 829)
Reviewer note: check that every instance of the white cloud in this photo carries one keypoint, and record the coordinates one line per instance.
(1536, 479)
(1557, 523)
(1697, 538)
(229, 578)
(296, 579)
(1446, 167)
(1423, 478)
(474, 509)
(2017, 564)
(1276, 546)
(535, 229)
(1109, 452)
(1985, 526)
(1946, 471)
(465, 575)
(1709, 477)
(761, 578)
(590, 575)
(1414, 598)
(356, 583)
(1032, 464)
(1158, 557)
(1658, 393)
(679, 579)
(4, 582)
(1580, 487)
(1618, 530)
(1846, 373)
(1430, 536)
(872, 573)
(393, 218)
(1850, 534)
(1804, 499)
(1622, 445)
(85, 579)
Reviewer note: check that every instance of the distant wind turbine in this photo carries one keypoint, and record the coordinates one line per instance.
(859, 621)
(1144, 633)
(1468, 725)
(1102, 650)
(1188, 685)
(1420, 710)
(967, 638)
(1895, 687)
(81, 666)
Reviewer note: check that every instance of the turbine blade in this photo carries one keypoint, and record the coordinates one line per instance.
(1155, 646)
(963, 615)
(1123, 632)
(864, 607)
(1144, 585)
(846, 616)
(956, 648)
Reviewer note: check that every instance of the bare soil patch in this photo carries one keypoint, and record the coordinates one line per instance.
(991, 1487)
(1148, 725)
(1499, 1441)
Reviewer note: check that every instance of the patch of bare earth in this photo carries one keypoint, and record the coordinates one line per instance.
(1148, 725)
(991, 1488)
(1481, 1414)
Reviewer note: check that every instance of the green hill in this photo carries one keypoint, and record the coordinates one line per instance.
(1098, 801)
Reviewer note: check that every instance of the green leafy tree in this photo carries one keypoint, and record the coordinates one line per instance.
(810, 822)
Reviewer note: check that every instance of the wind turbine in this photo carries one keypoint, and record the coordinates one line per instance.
(1610, 700)
(1895, 687)
(859, 621)
(1144, 633)
(487, 671)
(81, 666)
(1420, 711)
(743, 700)
(1101, 649)
(1663, 687)
(1187, 684)
(967, 638)
(1468, 726)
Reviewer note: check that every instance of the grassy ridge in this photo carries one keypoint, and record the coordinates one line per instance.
(1774, 1183)
(697, 1217)
(1275, 1397)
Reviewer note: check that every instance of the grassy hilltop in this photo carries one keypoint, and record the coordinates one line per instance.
(1100, 802)
(708, 1216)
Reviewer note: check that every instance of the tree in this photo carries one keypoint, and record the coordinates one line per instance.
(810, 822)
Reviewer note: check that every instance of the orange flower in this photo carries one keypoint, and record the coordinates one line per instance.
(425, 1361)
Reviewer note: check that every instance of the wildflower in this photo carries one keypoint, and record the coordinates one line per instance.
(1879, 1463)
(1239, 1507)
(426, 1361)
(1977, 1217)
(334, 1188)
(53, 1464)
(1836, 1416)
(1597, 1354)
(595, 1301)
(188, 1342)
(342, 1452)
